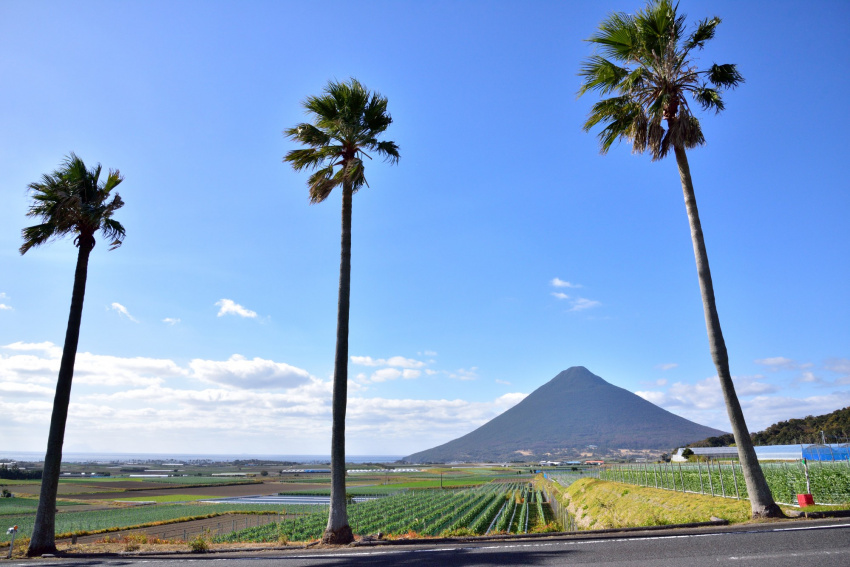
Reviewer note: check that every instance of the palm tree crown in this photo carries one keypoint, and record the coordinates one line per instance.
(347, 120)
(646, 61)
(73, 200)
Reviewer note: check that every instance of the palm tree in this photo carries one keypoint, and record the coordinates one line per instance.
(72, 200)
(346, 122)
(647, 64)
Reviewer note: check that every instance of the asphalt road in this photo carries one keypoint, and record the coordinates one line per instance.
(819, 543)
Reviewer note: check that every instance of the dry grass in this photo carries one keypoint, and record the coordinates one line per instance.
(599, 504)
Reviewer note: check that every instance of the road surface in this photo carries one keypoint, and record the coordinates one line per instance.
(822, 543)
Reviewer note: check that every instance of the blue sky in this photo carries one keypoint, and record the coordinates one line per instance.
(501, 249)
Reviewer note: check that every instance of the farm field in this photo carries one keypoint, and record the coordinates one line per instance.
(491, 508)
(829, 482)
(95, 505)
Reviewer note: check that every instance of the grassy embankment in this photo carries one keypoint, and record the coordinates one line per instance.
(599, 504)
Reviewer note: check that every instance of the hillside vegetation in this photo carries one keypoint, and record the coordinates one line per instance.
(835, 426)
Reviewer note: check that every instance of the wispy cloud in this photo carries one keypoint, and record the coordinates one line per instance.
(808, 377)
(703, 402)
(781, 363)
(558, 282)
(230, 307)
(122, 311)
(838, 365)
(395, 361)
(242, 402)
(576, 303)
(257, 373)
(667, 366)
(503, 382)
(581, 303)
(171, 321)
(3, 305)
(465, 374)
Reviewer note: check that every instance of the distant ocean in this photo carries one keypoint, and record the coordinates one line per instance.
(188, 457)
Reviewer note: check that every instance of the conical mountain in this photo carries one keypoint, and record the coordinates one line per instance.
(573, 410)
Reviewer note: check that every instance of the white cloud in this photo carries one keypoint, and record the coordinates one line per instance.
(781, 363)
(19, 389)
(122, 311)
(248, 405)
(46, 347)
(89, 369)
(838, 365)
(808, 378)
(703, 402)
(396, 361)
(503, 382)
(171, 321)
(230, 307)
(581, 303)
(239, 372)
(667, 366)
(385, 374)
(463, 374)
(576, 304)
(3, 306)
(777, 362)
(557, 282)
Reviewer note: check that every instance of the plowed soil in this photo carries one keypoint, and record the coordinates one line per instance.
(223, 524)
(226, 491)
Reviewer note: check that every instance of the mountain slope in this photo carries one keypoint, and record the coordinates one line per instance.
(573, 410)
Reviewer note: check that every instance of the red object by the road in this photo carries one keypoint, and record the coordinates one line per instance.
(805, 500)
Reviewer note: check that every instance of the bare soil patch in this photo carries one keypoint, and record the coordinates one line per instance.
(227, 491)
(183, 531)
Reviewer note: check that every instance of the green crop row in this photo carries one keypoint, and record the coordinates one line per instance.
(829, 483)
(427, 512)
(121, 518)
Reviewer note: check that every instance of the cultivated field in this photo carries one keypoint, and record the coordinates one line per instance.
(492, 508)
(829, 483)
(168, 508)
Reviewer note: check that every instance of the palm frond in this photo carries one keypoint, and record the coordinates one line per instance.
(312, 158)
(649, 68)
(346, 121)
(617, 37)
(709, 99)
(389, 151)
(113, 230)
(725, 76)
(704, 32)
(37, 235)
(321, 183)
(602, 75)
(73, 200)
(619, 116)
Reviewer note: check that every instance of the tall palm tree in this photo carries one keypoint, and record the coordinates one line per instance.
(70, 201)
(646, 62)
(346, 122)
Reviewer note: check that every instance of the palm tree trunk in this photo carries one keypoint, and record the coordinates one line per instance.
(761, 499)
(338, 530)
(44, 531)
